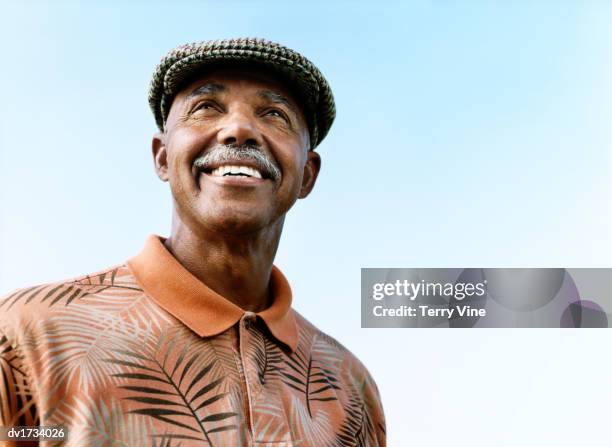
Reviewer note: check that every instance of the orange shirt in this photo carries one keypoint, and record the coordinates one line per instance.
(146, 354)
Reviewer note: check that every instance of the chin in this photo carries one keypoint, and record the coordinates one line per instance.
(235, 222)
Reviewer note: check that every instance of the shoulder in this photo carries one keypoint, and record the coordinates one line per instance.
(341, 370)
(324, 346)
(30, 304)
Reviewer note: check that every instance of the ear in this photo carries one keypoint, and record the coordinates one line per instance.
(311, 171)
(160, 159)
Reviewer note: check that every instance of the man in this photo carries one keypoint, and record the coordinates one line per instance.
(194, 341)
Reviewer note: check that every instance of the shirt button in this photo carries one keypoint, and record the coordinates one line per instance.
(249, 318)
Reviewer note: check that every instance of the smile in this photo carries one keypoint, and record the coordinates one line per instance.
(235, 170)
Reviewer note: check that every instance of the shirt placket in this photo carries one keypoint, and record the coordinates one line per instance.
(260, 396)
(244, 338)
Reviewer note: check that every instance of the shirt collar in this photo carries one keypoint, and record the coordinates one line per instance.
(203, 310)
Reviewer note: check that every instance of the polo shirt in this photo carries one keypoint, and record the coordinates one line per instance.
(145, 354)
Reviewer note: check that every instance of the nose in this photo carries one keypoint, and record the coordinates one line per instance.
(239, 129)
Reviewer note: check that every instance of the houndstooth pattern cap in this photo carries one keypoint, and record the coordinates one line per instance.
(303, 78)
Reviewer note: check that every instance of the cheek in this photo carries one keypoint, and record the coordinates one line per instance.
(184, 146)
(181, 178)
(190, 139)
(293, 172)
(177, 174)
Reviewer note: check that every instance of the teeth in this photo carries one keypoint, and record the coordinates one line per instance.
(247, 170)
(250, 171)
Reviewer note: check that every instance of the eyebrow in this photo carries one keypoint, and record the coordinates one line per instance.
(275, 98)
(207, 89)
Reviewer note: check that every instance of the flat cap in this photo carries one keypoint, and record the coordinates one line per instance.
(301, 76)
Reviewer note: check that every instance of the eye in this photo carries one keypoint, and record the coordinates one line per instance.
(206, 105)
(276, 113)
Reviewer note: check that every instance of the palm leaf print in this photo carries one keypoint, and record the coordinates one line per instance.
(98, 424)
(270, 425)
(264, 357)
(45, 292)
(268, 356)
(308, 430)
(357, 430)
(177, 386)
(235, 401)
(82, 336)
(313, 372)
(17, 406)
(165, 441)
(223, 356)
(27, 294)
(67, 292)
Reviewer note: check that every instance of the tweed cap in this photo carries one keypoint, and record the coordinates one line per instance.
(302, 77)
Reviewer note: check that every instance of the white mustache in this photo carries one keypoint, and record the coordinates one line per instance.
(227, 153)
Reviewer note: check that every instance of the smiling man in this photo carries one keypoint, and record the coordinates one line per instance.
(194, 340)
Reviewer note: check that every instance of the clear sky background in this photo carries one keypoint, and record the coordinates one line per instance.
(469, 134)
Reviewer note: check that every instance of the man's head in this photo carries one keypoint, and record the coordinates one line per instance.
(236, 142)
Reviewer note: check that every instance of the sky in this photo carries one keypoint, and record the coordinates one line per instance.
(468, 134)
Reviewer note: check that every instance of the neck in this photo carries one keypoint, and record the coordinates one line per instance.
(237, 267)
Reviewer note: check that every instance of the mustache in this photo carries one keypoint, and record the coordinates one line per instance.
(230, 153)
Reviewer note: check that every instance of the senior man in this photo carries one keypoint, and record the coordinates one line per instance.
(194, 341)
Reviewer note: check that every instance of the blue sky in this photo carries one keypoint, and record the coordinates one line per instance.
(469, 134)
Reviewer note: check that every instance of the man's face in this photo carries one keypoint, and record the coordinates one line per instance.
(235, 152)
